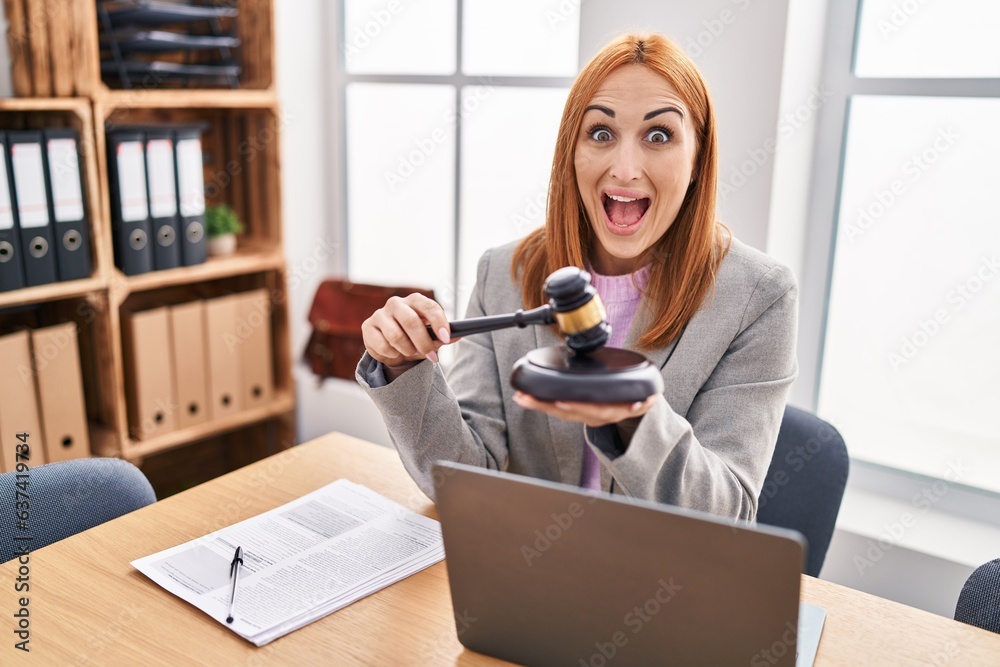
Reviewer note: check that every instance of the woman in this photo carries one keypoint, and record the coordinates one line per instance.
(632, 198)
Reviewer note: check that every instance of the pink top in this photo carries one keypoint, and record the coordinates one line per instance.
(621, 296)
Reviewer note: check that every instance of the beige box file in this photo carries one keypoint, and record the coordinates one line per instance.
(149, 379)
(225, 379)
(18, 402)
(190, 362)
(254, 335)
(56, 355)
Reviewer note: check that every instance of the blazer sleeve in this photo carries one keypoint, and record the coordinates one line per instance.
(716, 458)
(430, 418)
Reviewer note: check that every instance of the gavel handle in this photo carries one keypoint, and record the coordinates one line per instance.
(519, 318)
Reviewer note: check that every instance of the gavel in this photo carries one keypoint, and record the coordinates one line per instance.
(584, 369)
(574, 305)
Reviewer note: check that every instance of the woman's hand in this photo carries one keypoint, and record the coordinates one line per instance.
(591, 414)
(396, 334)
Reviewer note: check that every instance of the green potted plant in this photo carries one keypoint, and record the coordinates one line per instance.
(222, 225)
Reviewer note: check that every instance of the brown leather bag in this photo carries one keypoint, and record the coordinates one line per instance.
(338, 309)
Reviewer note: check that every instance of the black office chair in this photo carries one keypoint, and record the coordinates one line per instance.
(66, 498)
(979, 601)
(805, 483)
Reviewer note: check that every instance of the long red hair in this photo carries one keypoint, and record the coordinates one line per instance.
(687, 256)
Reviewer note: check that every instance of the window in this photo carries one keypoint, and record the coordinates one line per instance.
(924, 39)
(908, 356)
(451, 114)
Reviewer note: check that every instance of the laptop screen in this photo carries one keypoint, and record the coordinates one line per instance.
(552, 574)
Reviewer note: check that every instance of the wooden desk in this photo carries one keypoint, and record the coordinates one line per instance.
(90, 607)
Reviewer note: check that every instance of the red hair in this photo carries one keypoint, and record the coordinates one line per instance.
(687, 256)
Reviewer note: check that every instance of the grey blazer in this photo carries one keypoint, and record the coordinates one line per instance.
(706, 443)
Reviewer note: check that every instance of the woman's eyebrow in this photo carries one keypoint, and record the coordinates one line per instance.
(653, 114)
(598, 107)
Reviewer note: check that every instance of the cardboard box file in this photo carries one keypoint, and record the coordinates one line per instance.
(190, 362)
(60, 392)
(149, 378)
(225, 379)
(254, 338)
(18, 402)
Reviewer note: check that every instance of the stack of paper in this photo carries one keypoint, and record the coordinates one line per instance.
(302, 560)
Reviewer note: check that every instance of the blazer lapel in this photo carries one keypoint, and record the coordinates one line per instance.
(640, 323)
(673, 385)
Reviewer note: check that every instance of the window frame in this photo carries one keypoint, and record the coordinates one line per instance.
(458, 81)
(826, 184)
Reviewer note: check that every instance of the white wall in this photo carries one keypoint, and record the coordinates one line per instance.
(302, 90)
(310, 178)
(800, 78)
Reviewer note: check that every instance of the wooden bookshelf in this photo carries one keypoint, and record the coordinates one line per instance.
(54, 47)
(241, 145)
(71, 104)
(50, 292)
(172, 99)
(245, 261)
(77, 113)
(282, 404)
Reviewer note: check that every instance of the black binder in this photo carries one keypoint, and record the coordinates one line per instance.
(38, 251)
(129, 206)
(66, 204)
(162, 189)
(190, 194)
(154, 12)
(137, 40)
(11, 271)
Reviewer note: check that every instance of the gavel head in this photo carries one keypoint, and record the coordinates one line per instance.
(578, 309)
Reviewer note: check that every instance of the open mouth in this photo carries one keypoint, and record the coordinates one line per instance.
(623, 212)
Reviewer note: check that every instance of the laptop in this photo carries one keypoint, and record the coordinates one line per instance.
(548, 574)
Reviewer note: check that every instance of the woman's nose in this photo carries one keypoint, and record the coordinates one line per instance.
(626, 163)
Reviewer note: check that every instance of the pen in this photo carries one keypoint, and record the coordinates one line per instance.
(234, 576)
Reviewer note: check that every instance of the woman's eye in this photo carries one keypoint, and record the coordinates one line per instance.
(658, 136)
(600, 134)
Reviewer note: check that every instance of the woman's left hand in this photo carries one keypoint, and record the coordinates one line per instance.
(593, 415)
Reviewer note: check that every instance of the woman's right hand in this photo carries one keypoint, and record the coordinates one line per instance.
(396, 334)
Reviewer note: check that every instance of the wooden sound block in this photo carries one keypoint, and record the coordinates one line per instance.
(606, 375)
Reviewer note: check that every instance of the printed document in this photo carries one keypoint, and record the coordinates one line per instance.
(301, 561)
